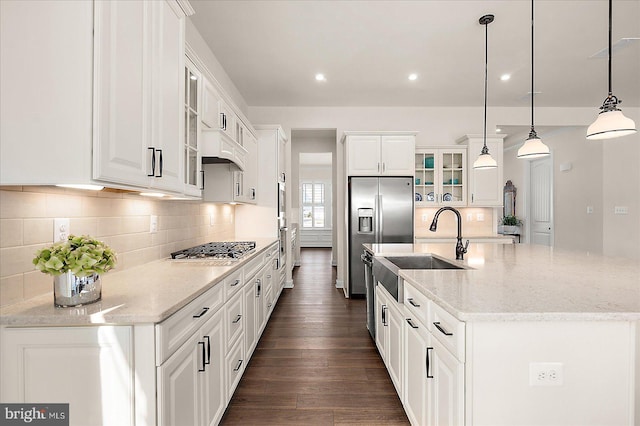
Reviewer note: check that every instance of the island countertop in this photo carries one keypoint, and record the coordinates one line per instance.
(521, 282)
(149, 293)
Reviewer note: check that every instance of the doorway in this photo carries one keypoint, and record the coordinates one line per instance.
(541, 201)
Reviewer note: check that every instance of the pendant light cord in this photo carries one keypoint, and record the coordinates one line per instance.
(486, 60)
(532, 79)
(610, 25)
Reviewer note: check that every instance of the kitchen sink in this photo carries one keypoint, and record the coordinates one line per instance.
(385, 269)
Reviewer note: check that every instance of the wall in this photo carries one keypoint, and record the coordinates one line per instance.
(448, 224)
(121, 220)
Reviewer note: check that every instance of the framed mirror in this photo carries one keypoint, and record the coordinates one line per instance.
(509, 192)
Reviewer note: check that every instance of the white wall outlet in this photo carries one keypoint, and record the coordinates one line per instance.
(61, 229)
(153, 224)
(621, 210)
(546, 374)
(424, 217)
(469, 217)
(480, 217)
(589, 209)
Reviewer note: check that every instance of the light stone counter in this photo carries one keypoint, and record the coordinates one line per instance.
(148, 293)
(521, 282)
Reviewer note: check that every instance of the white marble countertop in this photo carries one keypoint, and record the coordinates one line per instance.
(149, 293)
(521, 282)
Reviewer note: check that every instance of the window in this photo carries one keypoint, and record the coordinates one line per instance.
(314, 205)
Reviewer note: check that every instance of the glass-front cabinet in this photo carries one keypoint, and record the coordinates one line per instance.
(192, 83)
(440, 177)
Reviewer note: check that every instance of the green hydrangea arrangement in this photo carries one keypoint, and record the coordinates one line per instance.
(81, 255)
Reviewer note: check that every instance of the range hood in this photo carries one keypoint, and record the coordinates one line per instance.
(217, 147)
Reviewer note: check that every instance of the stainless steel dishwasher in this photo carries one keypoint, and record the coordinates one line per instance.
(370, 285)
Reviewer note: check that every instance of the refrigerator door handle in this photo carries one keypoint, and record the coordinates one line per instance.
(380, 223)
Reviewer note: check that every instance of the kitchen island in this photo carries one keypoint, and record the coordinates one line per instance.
(523, 335)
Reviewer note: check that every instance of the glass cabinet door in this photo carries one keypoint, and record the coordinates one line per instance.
(440, 177)
(425, 178)
(192, 120)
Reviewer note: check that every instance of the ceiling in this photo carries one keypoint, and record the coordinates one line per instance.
(272, 50)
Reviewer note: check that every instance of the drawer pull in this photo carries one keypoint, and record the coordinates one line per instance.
(442, 330)
(412, 303)
(238, 318)
(428, 376)
(204, 311)
(235, 283)
(200, 370)
(238, 366)
(411, 323)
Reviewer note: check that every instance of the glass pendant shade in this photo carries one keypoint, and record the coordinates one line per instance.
(485, 161)
(533, 148)
(611, 124)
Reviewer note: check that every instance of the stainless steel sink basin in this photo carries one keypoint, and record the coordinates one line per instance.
(421, 262)
(386, 269)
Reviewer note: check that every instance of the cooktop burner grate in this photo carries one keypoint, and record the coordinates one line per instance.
(230, 250)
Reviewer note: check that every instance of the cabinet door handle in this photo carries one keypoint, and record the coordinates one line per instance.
(237, 320)
(253, 193)
(378, 167)
(202, 180)
(153, 161)
(204, 311)
(472, 198)
(384, 167)
(235, 283)
(223, 117)
(258, 287)
(161, 163)
(442, 330)
(269, 305)
(238, 366)
(412, 303)
(208, 361)
(411, 323)
(428, 376)
(384, 315)
(200, 370)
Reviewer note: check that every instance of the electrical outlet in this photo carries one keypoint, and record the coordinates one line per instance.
(469, 217)
(546, 374)
(621, 210)
(589, 209)
(61, 229)
(153, 224)
(424, 217)
(480, 217)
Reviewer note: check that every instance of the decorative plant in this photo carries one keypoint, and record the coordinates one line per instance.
(81, 255)
(510, 221)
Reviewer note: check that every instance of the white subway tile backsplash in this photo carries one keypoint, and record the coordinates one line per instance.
(11, 232)
(18, 205)
(62, 205)
(36, 283)
(11, 289)
(38, 231)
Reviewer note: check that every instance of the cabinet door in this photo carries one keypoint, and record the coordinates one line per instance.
(250, 335)
(446, 398)
(381, 312)
(178, 385)
(427, 183)
(167, 122)
(485, 186)
(191, 142)
(227, 119)
(259, 311)
(213, 389)
(452, 171)
(91, 368)
(122, 89)
(416, 343)
(363, 156)
(250, 181)
(210, 106)
(394, 348)
(397, 155)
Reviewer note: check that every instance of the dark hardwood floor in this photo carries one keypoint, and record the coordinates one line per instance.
(315, 363)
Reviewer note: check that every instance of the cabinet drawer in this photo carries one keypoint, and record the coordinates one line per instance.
(416, 303)
(447, 329)
(175, 330)
(253, 266)
(235, 319)
(232, 284)
(235, 367)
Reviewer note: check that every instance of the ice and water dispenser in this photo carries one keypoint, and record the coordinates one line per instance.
(365, 221)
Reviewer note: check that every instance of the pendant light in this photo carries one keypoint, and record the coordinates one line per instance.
(485, 160)
(611, 123)
(533, 147)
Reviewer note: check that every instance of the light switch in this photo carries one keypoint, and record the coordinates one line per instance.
(621, 210)
(153, 224)
(589, 209)
(480, 217)
(469, 217)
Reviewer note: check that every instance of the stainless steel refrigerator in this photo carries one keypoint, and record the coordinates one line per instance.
(380, 211)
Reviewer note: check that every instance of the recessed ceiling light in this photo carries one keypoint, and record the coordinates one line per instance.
(505, 77)
(413, 77)
(321, 77)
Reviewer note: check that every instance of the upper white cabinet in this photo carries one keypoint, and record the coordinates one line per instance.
(192, 113)
(485, 186)
(380, 154)
(139, 68)
(441, 177)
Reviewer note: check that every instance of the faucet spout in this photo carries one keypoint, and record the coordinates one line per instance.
(460, 248)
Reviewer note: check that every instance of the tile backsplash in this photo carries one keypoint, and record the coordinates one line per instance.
(119, 219)
(448, 226)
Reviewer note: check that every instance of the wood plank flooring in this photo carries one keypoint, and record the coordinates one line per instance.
(315, 363)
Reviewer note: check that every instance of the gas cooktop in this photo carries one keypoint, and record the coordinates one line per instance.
(224, 250)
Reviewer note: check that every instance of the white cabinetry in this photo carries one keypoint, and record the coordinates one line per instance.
(485, 186)
(441, 177)
(192, 116)
(90, 368)
(389, 320)
(380, 154)
(138, 117)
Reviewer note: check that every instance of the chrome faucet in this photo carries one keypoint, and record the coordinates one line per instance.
(460, 249)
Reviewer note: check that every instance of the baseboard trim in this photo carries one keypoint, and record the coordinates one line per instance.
(339, 284)
(288, 284)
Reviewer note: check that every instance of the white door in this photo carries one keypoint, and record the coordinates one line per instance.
(397, 155)
(446, 398)
(395, 321)
(541, 210)
(415, 371)
(363, 156)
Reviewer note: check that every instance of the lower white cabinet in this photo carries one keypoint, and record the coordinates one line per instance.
(415, 378)
(389, 335)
